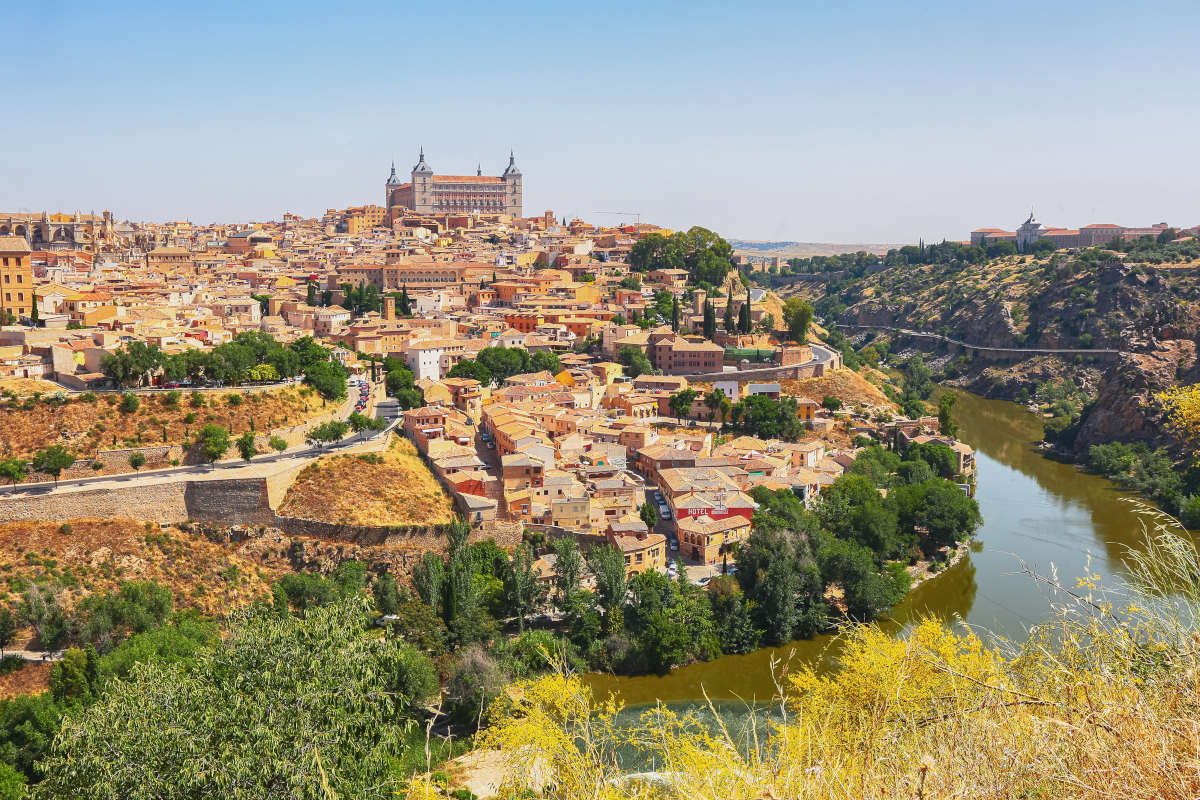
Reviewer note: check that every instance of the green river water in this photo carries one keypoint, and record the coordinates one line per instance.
(1046, 514)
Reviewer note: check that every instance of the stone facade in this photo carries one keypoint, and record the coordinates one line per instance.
(427, 193)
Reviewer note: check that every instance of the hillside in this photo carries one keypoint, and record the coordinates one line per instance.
(1071, 300)
(90, 556)
(395, 488)
(88, 423)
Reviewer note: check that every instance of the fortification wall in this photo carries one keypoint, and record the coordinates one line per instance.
(155, 503)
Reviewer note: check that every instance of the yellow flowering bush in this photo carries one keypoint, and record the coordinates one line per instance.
(1182, 407)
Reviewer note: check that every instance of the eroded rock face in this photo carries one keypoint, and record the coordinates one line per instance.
(1125, 409)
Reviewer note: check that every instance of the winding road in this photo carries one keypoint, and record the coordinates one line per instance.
(1082, 351)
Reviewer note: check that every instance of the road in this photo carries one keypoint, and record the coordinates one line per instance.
(1082, 351)
(388, 409)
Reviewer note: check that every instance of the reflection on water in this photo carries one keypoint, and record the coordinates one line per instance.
(1037, 512)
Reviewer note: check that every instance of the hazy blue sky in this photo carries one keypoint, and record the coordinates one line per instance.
(833, 121)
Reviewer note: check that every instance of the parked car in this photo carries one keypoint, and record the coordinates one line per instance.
(666, 514)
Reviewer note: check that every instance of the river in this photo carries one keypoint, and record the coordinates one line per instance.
(1041, 512)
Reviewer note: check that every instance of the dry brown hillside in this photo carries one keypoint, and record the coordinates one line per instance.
(89, 423)
(87, 556)
(392, 488)
(845, 384)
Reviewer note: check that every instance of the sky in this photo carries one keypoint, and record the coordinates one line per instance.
(850, 121)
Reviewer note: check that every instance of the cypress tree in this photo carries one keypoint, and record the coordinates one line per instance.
(710, 320)
(729, 315)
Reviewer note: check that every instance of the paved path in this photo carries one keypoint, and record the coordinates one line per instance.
(35, 655)
(1083, 351)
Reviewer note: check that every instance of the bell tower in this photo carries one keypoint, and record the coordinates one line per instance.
(422, 186)
(512, 187)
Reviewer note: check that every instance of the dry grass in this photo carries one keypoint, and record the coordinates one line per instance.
(1102, 702)
(845, 384)
(86, 427)
(87, 556)
(394, 488)
(33, 678)
(27, 386)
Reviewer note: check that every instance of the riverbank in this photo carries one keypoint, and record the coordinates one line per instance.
(1044, 514)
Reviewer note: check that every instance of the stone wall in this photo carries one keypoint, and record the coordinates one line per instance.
(229, 502)
(423, 538)
(776, 373)
(118, 460)
(163, 502)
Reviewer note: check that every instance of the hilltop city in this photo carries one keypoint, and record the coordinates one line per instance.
(569, 377)
(426, 473)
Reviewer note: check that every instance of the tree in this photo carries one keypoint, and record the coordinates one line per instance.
(939, 506)
(137, 460)
(942, 459)
(710, 320)
(727, 321)
(913, 472)
(8, 628)
(733, 616)
(328, 378)
(648, 514)
(744, 324)
(851, 508)
(634, 360)
(256, 704)
(544, 360)
(386, 594)
(831, 403)
(213, 441)
(674, 313)
(607, 564)
(776, 573)
(34, 312)
(471, 369)
(946, 424)
(328, 432)
(68, 677)
(759, 415)
(568, 566)
(917, 378)
(520, 584)
(311, 295)
(14, 469)
(797, 316)
(246, 447)
(12, 782)
(52, 461)
(681, 402)
(714, 400)
(278, 444)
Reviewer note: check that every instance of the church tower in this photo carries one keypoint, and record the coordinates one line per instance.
(390, 187)
(512, 187)
(422, 186)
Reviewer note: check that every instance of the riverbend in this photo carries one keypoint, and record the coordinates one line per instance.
(1038, 513)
